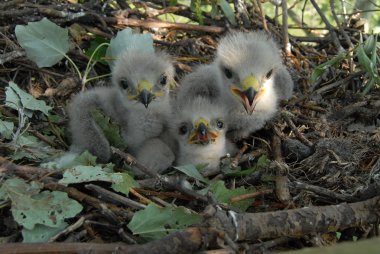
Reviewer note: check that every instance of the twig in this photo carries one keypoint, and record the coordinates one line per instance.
(268, 244)
(310, 39)
(46, 248)
(127, 22)
(251, 195)
(344, 81)
(134, 163)
(7, 5)
(242, 12)
(323, 191)
(333, 35)
(42, 137)
(33, 67)
(126, 237)
(282, 188)
(262, 14)
(145, 200)
(152, 193)
(69, 229)
(341, 30)
(236, 159)
(294, 128)
(118, 198)
(285, 34)
(346, 37)
(11, 55)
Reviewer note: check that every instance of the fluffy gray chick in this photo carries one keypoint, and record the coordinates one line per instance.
(199, 123)
(255, 77)
(138, 101)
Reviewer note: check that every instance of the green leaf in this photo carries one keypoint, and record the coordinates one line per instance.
(261, 162)
(127, 40)
(127, 183)
(85, 159)
(228, 11)
(45, 208)
(41, 233)
(155, 223)
(17, 99)
(101, 53)
(110, 129)
(370, 44)
(173, 3)
(45, 43)
(6, 129)
(320, 69)
(368, 86)
(224, 195)
(80, 174)
(192, 171)
(31, 148)
(20, 185)
(71, 159)
(364, 60)
(214, 9)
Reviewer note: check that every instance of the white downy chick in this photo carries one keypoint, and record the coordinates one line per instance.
(252, 71)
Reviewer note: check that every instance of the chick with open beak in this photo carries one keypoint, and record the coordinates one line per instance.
(200, 130)
(202, 133)
(249, 94)
(252, 71)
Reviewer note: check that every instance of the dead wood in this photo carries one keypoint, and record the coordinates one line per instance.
(282, 188)
(131, 22)
(306, 220)
(245, 226)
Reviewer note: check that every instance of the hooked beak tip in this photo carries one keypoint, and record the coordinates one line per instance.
(145, 97)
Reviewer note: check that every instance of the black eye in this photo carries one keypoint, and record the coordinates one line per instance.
(182, 130)
(227, 72)
(269, 74)
(220, 124)
(163, 79)
(124, 83)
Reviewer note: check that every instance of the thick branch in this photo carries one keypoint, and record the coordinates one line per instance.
(309, 220)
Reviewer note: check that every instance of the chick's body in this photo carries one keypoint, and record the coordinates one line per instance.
(199, 120)
(138, 101)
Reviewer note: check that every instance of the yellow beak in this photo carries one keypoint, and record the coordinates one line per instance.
(145, 93)
(202, 133)
(249, 94)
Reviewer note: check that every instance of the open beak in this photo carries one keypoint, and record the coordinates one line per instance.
(250, 93)
(202, 134)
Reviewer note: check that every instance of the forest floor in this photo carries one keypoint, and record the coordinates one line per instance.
(319, 186)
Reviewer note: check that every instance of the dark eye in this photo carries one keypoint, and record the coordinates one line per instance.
(163, 79)
(182, 130)
(227, 72)
(269, 74)
(220, 124)
(124, 83)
